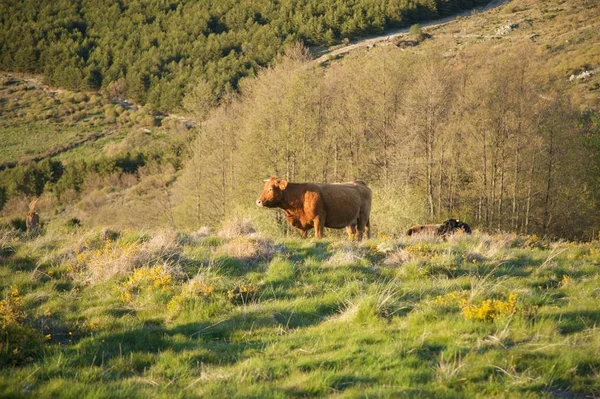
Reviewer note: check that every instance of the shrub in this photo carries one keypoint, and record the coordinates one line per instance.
(73, 222)
(164, 246)
(145, 280)
(451, 299)
(243, 292)
(416, 32)
(191, 293)
(19, 343)
(489, 309)
(202, 232)
(18, 224)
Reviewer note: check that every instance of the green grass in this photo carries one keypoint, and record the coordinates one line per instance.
(37, 119)
(31, 139)
(250, 317)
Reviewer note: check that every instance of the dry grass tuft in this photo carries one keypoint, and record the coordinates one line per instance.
(250, 248)
(97, 266)
(163, 246)
(424, 238)
(202, 232)
(243, 248)
(397, 258)
(485, 246)
(237, 228)
(96, 259)
(7, 241)
(346, 255)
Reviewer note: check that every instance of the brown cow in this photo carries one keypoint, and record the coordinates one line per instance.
(32, 222)
(319, 205)
(33, 218)
(424, 228)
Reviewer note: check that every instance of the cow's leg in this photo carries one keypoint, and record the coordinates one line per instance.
(368, 229)
(351, 230)
(319, 223)
(360, 229)
(303, 233)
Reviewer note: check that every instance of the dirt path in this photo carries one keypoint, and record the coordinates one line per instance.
(372, 41)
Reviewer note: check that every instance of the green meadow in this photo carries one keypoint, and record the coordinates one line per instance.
(234, 313)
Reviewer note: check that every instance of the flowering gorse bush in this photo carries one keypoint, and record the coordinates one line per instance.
(487, 310)
(146, 279)
(490, 309)
(451, 299)
(18, 341)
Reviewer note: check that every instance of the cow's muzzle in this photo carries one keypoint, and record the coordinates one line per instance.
(259, 203)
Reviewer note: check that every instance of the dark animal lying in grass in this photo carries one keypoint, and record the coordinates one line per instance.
(450, 226)
(464, 227)
(425, 228)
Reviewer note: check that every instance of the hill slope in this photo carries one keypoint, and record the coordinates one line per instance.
(174, 315)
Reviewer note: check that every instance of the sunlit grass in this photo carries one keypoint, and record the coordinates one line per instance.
(242, 316)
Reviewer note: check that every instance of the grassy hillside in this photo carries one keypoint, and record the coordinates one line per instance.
(116, 298)
(38, 120)
(236, 314)
(562, 36)
(81, 149)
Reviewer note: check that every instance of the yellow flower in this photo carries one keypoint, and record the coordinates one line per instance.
(490, 308)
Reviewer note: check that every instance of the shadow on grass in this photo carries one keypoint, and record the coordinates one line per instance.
(575, 321)
(214, 340)
(342, 382)
(120, 312)
(239, 267)
(340, 274)
(22, 263)
(319, 251)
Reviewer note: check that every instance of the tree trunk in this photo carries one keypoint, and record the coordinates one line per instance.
(529, 195)
(515, 216)
(550, 167)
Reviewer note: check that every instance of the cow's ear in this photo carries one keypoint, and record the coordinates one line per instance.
(282, 184)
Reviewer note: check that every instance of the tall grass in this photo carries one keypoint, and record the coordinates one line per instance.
(151, 313)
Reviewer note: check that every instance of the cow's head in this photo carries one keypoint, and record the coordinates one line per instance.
(452, 223)
(449, 226)
(272, 195)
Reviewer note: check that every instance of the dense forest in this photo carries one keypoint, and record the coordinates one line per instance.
(151, 51)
